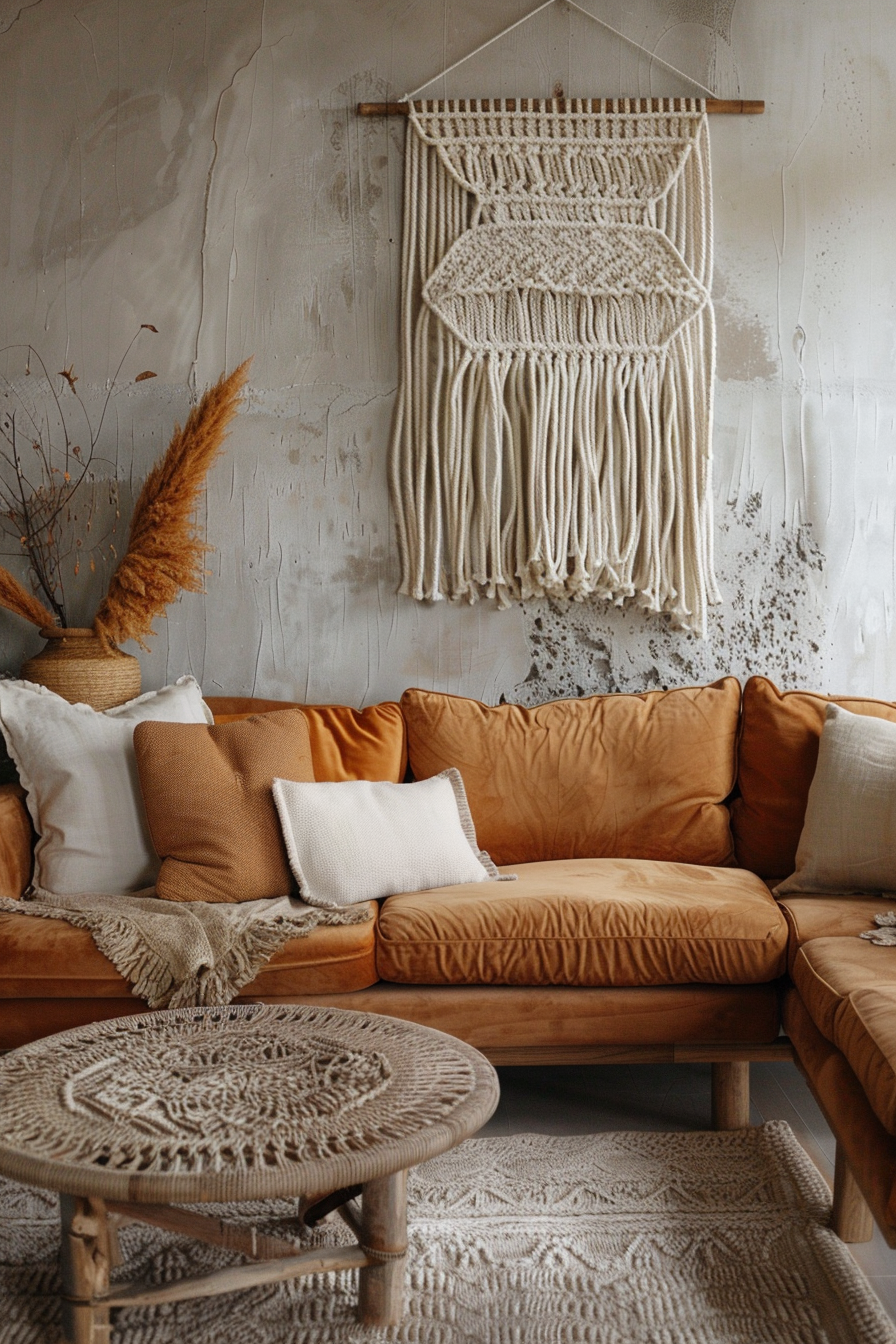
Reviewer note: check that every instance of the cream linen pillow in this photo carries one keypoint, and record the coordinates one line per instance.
(79, 771)
(359, 840)
(848, 841)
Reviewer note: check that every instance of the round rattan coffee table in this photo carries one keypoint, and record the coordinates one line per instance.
(130, 1118)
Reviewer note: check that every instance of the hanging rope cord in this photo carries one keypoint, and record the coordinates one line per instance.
(689, 79)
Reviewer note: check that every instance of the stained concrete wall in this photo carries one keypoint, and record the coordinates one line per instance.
(201, 167)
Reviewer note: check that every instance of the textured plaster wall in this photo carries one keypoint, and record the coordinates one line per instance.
(200, 167)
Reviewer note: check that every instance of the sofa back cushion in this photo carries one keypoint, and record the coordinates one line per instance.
(777, 755)
(609, 776)
(345, 743)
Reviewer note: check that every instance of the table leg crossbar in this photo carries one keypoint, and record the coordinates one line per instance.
(89, 1250)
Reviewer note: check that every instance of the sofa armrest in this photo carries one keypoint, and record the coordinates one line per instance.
(16, 841)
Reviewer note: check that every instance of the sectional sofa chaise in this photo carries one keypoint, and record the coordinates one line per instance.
(648, 833)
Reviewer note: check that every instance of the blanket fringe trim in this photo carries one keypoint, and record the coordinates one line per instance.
(148, 970)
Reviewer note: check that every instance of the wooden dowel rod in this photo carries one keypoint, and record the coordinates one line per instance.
(234, 1279)
(213, 1231)
(715, 106)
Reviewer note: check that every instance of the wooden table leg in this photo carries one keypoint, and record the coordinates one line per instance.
(84, 1267)
(383, 1234)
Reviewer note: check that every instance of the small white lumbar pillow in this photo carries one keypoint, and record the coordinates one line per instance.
(848, 840)
(359, 840)
(79, 771)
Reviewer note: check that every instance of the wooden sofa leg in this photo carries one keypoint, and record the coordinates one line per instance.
(850, 1217)
(731, 1095)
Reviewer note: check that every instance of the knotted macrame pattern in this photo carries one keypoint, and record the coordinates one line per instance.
(552, 431)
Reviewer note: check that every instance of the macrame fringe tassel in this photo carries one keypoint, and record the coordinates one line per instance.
(549, 447)
(566, 477)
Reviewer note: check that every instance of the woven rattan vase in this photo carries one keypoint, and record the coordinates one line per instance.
(77, 665)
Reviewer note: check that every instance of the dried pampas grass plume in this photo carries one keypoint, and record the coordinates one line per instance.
(165, 551)
(17, 599)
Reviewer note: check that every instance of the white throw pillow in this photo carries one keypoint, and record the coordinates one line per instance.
(848, 840)
(358, 840)
(80, 774)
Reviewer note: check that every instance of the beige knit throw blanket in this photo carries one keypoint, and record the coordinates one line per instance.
(553, 423)
(177, 955)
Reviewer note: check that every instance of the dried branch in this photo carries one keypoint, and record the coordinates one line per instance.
(17, 599)
(165, 550)
(38, 511)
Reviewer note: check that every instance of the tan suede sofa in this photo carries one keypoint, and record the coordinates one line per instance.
(647, 833)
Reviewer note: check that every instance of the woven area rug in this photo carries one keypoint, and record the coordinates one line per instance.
(609, 1238)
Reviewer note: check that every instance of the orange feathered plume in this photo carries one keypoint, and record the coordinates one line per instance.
(165, 550)
(18, 599)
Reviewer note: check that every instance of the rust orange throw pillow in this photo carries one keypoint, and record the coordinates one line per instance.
(345, 743)
(610, 776)
(208, 799)
(778, 752)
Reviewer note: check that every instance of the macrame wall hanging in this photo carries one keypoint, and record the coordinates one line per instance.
(552, 434)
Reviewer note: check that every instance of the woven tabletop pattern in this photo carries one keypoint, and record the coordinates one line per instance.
(238, 1102)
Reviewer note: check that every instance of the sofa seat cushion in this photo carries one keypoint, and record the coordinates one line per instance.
(848, 987)
(866, 1034)
(587, 922)
(827, 970)
(818, 916)
(49, 958)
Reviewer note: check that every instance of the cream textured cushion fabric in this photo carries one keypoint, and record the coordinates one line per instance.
(80, 774)
(848, 841)
(357, 841)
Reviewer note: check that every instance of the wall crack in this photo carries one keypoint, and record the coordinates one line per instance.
(6, 25)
